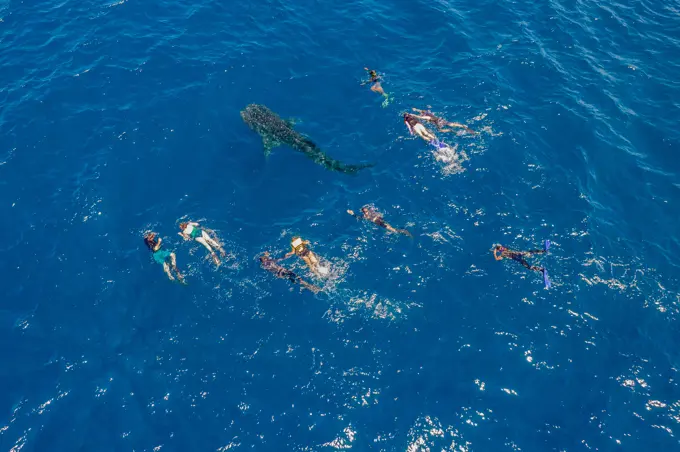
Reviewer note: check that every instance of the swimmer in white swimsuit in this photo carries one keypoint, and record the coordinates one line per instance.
(193, 231)
(416, 128)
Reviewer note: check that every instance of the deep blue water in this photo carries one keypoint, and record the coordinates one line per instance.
(117, 118)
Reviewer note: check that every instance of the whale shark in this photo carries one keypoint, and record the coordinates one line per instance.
(276, 131)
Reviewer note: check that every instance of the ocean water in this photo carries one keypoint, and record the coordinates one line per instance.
(121, 117)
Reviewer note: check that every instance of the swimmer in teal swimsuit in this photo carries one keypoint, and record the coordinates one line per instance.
(164, 257)
(192, 231)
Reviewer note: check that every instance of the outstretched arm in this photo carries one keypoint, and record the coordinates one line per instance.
(286, 256)
(357, 216)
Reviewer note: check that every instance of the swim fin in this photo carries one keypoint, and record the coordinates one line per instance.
(437, 144)
(546, 280)
(546, 246)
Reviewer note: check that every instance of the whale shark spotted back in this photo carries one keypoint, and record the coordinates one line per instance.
(276, 131)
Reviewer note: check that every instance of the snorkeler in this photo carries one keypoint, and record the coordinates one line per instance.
(301, 249)
(500, 252)
(376, 86)
(192, 231)
(370, 214)
(427, 115)
(271, 266)
(415, 127)
(164, 257)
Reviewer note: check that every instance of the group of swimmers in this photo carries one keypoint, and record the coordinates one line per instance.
(301, 248)
(413, 121)
(416, 127)
(319, 268)
(188, 231)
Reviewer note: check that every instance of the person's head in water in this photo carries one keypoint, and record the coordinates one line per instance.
(151, 241)
(183, 226)
(500, 248)
(264, 257)
(297, 243)
(365, 210)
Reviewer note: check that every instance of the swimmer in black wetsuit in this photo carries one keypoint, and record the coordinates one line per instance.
(376, 86)
(501, 252)
(277, 270)
(427, 115)
(373, 216)
(416, 128)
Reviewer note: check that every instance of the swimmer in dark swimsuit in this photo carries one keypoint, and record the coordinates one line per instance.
(501, 252)
(441, 123)
(164, 257)
(271, 266)
(370, 214)
(376, 87)
(416, 128)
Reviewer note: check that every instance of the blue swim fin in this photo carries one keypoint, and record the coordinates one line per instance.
(546, 247)
(437, 144)
(546, 280)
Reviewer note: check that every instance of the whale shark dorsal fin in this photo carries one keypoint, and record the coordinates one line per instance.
(269, 143)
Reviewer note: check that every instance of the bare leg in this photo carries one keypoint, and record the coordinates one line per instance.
(214, 243)
(173, 263)
(203, 242)
(389, 227)
(427, 136)
(377, 88)
(457, 124)
(166, 269)
(308, 286)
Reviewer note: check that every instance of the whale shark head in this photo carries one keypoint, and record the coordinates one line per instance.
(273, 130)
(258, 117)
